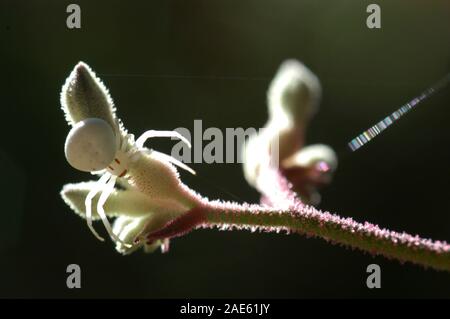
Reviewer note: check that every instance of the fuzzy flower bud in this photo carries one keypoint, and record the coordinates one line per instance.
(294, 94)
(85, 96)
(293, 98)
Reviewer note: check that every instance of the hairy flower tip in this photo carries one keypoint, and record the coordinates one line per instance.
(84, 96)
(128, 229)
(294, 93)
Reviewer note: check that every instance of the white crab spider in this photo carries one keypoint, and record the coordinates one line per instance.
(94, 146)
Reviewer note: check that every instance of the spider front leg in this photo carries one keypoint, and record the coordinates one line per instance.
(101, 212)
(174, 161)
(152, 133)
(88, 203)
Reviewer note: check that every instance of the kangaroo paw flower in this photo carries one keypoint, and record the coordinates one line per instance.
(153, 205)
(98, 143)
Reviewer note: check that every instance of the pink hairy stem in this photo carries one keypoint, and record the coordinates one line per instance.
(300, 218)
(282, 211)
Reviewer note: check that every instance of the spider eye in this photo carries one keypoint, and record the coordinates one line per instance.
(90, 145)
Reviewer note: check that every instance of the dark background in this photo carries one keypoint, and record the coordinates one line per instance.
(399, 181)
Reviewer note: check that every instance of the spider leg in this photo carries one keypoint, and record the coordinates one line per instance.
(101, 212)
(174, 161)
(152, 133)
(88, 202)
